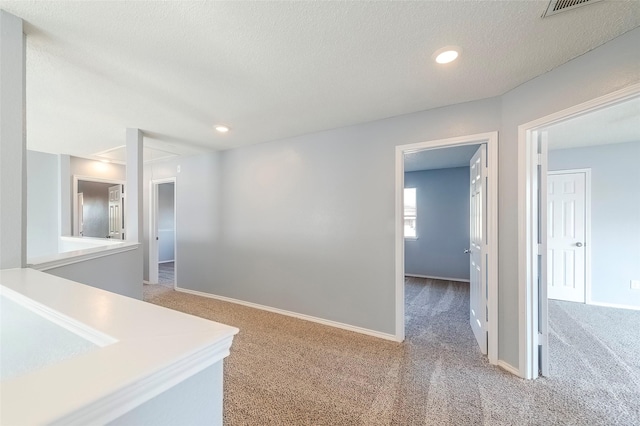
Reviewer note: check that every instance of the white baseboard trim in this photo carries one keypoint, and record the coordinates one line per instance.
(508, 367)
(614, 305)
(461, 280)
(294, 315)
(166, 261)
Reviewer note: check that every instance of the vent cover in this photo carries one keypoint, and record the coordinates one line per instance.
(557, 6)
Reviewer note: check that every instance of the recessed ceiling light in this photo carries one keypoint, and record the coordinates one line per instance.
(447, 54)
(222, 129)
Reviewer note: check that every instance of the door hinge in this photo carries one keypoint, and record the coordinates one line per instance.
(539, 159)
(541, 339)
(539, 249)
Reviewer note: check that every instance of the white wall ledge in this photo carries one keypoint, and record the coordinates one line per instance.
(155, 348)
(57, 260)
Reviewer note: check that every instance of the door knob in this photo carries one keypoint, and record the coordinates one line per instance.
(578, 244)
(467, 251)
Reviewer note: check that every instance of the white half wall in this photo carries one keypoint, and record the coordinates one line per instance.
(119, 273)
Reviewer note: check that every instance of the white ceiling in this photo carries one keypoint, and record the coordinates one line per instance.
(442, 158)
(271, 70)
(618, 123)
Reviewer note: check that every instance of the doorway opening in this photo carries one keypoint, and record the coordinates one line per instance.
(479, 262)
(98, 208)
(579, 224)
(162, 233)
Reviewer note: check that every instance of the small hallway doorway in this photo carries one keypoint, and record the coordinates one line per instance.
(162, 233)
(444, 186)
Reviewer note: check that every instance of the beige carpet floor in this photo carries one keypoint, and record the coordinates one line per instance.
(166, 273)
(285, 371)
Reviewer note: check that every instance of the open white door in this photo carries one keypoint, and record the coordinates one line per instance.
(116, 218)
(543, 238)
(478, 247)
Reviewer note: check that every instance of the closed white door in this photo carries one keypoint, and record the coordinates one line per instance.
(478, 247)
(566, 230)
(115, 213)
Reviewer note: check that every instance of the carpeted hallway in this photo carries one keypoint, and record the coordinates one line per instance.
(166, 274)
(284, 371)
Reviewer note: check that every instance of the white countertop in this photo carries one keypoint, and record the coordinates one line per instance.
(145, 349)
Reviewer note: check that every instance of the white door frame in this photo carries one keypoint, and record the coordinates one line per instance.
(153, 220)
(491, 139)
(587, 225)
(77, 178)
(529, 159)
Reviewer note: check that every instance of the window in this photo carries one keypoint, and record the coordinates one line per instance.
(410, 213)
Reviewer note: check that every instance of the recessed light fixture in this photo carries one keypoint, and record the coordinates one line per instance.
(222, 129)
(447, 54)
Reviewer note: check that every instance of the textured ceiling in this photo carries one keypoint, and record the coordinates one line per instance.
(271, 70)
(618, 123)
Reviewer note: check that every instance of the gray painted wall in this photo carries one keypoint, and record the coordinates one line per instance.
(307, 223)
(119, 273)
(98, 169)
(42, 204)
(442, 198)
(615, 216)
(166, 232)
(13, 170)
(95, 208)
(197, 217)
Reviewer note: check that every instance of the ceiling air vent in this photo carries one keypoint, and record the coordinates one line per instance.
(557, 6)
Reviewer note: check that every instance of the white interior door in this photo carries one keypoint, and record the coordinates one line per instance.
(115, 213)
(80, 215)
(478, 247)
(566, 231)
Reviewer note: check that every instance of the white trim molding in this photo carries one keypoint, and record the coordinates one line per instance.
(614, 305)
(491, 139)
(508, 367)
(528, 158)
(69, 258)
(310, 318)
